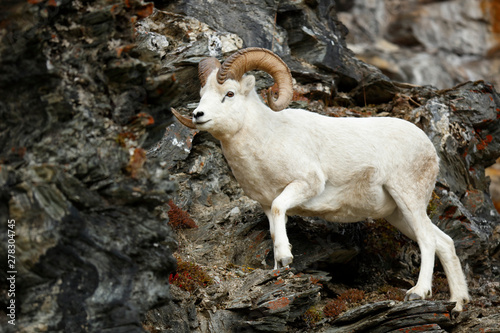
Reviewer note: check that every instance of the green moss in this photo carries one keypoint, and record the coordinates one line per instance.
(433, 205)
(382, 239)
(439, 285)
(392, 293)
(312, 316)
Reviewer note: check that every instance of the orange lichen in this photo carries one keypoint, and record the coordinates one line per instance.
(114, 8)
(315, 281)
(449, 213)
(124, 49)
(136, 162)
(420, 328)
(483, 143)
(179, 219)
(146, 10)
(144, 118)
(279, 303)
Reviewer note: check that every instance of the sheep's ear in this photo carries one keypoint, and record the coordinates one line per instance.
(247, 84)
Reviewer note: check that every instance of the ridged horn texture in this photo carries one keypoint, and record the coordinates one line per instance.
(205, 67)
(183, 120)
(253, 58)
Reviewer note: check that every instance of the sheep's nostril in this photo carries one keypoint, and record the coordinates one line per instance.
(198, 114)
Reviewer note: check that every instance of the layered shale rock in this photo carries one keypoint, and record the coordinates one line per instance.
(93, 252)
(91, 162)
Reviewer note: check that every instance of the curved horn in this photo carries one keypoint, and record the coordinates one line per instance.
(257, 58)
(205, 67)
(183, 120)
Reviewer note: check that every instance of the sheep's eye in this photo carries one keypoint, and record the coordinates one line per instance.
(228, 94)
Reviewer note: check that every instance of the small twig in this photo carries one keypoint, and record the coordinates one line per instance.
(414, 102)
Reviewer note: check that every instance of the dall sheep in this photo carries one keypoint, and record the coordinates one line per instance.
(296, 162)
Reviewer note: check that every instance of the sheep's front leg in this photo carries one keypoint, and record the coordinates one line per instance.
(282, 248)
(293, 195)
(267, 210)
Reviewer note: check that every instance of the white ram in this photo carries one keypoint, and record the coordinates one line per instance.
(296, 162)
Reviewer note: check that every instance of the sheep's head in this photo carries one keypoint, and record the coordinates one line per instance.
(225, 88)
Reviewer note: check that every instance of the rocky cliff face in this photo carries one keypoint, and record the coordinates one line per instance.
(92, 251)
(91, 158)
(439, 43)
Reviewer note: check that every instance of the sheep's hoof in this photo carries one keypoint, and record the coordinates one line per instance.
(412, 297)
(459, 307)
(285, 262)
(455, 313)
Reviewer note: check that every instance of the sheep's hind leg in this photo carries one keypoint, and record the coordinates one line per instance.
(421, 230)
(445, 249)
